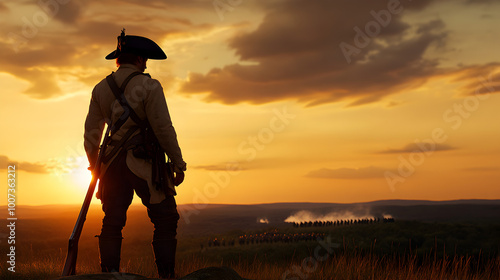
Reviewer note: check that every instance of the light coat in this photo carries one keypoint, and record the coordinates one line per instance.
(145, 96)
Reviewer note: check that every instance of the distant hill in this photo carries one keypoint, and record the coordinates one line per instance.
(219, 218)
(244, 217)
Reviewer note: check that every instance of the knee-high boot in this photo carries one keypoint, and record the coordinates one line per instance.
(164, 251)
(109, 251)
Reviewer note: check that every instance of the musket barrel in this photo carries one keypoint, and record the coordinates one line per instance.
(70, 264)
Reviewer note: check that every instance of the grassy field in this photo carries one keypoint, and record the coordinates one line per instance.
(400, 250)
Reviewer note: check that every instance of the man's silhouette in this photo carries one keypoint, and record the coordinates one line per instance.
(130, 162)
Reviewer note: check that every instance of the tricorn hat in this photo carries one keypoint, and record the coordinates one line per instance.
(137, 45)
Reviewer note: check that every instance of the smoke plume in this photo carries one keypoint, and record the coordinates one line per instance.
(306, 216)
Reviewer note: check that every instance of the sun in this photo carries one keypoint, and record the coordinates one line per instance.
(80, 174)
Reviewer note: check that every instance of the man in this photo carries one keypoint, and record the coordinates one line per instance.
(124, 169)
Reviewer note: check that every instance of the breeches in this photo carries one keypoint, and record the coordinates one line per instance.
(118, 186)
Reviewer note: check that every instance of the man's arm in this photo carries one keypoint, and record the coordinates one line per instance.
(94, 125)
(159, 119)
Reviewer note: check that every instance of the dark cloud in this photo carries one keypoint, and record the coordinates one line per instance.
(23, 166)
(28, 65)
(167, 5)
(50, 53)
(70, 12)
(480, 79)
(348, 173)
(296, 54)
(420, 147)
(481, 1)
(293, 54)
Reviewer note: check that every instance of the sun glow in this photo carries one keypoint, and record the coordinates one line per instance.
(80, 174)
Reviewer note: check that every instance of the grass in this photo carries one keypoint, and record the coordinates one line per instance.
(339, 266)
(438, 251)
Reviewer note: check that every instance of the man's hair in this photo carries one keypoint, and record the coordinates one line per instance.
(127, 58)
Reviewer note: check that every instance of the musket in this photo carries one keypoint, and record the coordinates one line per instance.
(70, 264)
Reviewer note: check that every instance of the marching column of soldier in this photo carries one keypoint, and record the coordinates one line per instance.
(274, 236)
(342, 222)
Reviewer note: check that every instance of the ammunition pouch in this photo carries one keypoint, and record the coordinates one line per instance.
(142, 151)
(146, 148)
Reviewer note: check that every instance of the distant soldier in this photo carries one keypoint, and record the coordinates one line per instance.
(135, 156)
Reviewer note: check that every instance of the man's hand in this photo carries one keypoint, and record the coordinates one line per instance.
(178, 177)
(178, 174)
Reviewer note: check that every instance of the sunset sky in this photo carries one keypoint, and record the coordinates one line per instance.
(272, 101)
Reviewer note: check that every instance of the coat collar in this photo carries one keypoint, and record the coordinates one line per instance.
(129, 66)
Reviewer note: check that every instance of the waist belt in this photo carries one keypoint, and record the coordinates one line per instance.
(134, 141)
(123, 143)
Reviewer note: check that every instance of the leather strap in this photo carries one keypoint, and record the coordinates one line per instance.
(118, 92)
(119, 95)
(119, 144)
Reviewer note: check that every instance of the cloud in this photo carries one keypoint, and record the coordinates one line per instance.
(481, 1)
(70, 12)
(295, 54)
(37, 67)
(176, 6)
(244, 165)
(348, 173)
(77, 36)
(480, 79)
(236, 165)
(420, 147)
(24, 166)
(230, 166)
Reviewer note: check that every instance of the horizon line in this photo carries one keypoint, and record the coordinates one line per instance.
(266, 203)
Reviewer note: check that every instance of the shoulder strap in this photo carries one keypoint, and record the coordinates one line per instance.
(119, 95)
(124, 84)
(128, 112)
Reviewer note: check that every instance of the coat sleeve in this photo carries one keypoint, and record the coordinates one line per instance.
(94, 125)
(159, 119)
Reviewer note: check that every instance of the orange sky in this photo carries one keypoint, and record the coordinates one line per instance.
(273, 101)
